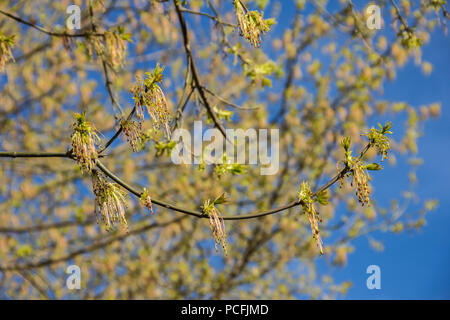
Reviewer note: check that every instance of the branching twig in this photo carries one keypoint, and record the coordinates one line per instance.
(225, 101)
(216, 19)
(195, 75)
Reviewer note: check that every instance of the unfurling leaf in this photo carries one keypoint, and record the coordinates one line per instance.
(374, 167)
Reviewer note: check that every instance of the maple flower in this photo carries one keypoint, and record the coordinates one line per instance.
(116, 46)
(84, 142)
(358, 171)
(306, 196)
(216, 221)
(251, 23)
(361, 179)
(133, 133)
(148, 93)
(109, 201)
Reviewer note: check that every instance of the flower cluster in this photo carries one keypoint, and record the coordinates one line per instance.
(216, 221)
(93, 44)
(361, 180)
(115, 45)
(5, 50)
(378, 139)
(357, 169)
(109, 201)
(113, 48)
(84, 141)
(251, 23)
(133, 133)
(148, 93)
(146, 200)
(306, 196)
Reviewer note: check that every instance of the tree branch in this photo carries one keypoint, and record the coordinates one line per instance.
(50, 33)
(194, 213)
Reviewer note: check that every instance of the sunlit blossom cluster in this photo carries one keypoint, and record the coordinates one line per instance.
(85, 140)
(306, 196)
(251, 23)
(110, 202)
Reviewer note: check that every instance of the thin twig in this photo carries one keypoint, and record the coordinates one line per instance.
(14, 154)
(216, 19)
(50, 33)
(227, 102)
(195, 75)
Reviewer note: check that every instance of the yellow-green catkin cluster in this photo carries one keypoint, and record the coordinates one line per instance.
(113, 49)
(110, 202)
(6, 43)
(146, 200)
(132, 130)
(94, 44)
(116, 46)
(357, 169)
(251, 23)
(148, 93)
(306, 196)
(361, 180)
(85, 140)
(216, 221)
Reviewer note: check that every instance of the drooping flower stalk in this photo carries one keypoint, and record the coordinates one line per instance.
(85, 140)
(113, 48)
(360, 179)
(306, 196)
(357, 169)
(148, 93)
(216, 221)
(138, 103)
(132, 130)
(94, 44)
(115, 45)
(110, 202)
(157, 107)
